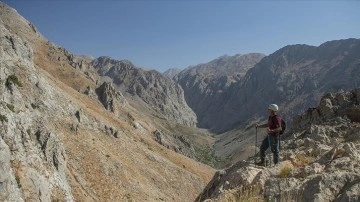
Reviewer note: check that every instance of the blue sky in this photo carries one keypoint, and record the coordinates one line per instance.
(166, 34)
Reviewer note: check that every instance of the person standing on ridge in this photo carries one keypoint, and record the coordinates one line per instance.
(273, 126)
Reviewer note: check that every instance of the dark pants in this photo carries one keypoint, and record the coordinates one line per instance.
(272, 141)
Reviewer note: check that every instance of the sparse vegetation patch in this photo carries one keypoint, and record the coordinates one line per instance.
(11, 107)
(302, 160)
(17, 178)
(285, 172)
(13, 79)
(205, 155)
(34, 106)
(3, 118)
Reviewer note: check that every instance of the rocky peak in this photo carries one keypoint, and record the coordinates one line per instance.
(224, 66)
(106, 65)
(172, 72)
(155, 90)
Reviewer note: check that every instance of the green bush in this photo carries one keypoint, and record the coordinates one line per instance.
(17, 178)
(207, 156)
(11, 107)
(13, 79)
(34, 106)
(3, 118)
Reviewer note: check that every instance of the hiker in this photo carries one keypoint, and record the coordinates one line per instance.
(272, 139)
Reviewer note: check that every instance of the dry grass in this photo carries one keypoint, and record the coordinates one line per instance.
(103, 168)
(302, 160)
(285, 172)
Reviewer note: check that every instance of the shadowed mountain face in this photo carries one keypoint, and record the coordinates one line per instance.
(206, 85)
(154, 90)
(294, 77)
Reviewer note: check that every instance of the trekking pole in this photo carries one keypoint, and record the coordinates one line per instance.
(255, 144)
(268, 136)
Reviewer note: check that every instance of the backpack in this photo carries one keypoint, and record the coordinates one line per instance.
(283, 126)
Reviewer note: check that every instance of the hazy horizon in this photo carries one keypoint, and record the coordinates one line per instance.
(176, 34)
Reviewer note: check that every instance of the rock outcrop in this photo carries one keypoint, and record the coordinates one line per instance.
(111, 99)
(320, 160)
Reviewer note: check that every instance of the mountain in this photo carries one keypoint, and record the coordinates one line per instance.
(205, 85)
(69, 135)
(320, 159)
(294, 77)
(152, 88)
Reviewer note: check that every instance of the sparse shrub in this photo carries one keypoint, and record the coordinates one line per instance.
(205, 155)
(34, 106)
(3, 118)
(301, 160)
(285, 172)
(17, 178)
(13, 79)
(28, 131)
(11, 107)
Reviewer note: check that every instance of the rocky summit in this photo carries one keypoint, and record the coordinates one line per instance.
(320, 160)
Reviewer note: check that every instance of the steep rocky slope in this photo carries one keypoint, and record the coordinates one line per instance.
(205, 85)
(60, 143)
(154, 90)
(320, 160)
(294, 77)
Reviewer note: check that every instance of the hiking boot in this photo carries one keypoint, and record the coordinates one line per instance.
(261, 163)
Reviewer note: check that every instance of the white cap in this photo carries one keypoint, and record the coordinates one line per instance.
(273, 107)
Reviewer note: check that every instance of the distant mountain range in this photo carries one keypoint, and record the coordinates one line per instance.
(294, 77)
